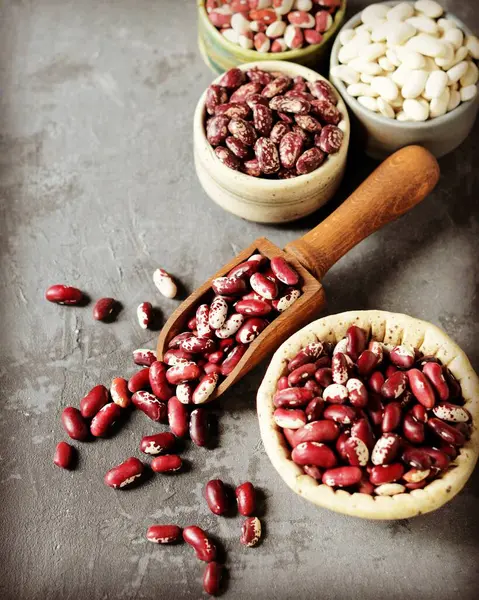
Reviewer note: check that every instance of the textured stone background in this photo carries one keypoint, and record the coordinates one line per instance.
(97, 189)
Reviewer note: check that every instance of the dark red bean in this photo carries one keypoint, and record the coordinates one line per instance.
(212, 578)
(199, 427)
(64, 455)
(104, 308)
(157, 443)
(105, 419)
(96, 398)
(139, 381)
(163, 534)
(63, 294)
(200, 542)
(178, 417)
(246, 499)
(169, 463)
(216, 497)
(74, 424)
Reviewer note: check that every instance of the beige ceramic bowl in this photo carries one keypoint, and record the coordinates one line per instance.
(384, 136)
(268, 200)
(389, 328)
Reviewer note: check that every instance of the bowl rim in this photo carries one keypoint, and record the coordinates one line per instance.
(393, 328)
(378, 118)
(274, 184)
(252, 55)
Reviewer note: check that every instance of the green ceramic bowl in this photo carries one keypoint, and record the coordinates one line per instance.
(220, 54)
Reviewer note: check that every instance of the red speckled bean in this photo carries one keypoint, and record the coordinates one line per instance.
(183, 372)
(289, 418)
(292, 398)
(314, 453)
(124, 474)
(340, 413)
(342, 476)
(434, 373)
(402, 357)
(140, 381)
(163, 534)
(385, 449)
(74, 424)
(357, 393)
(253, 307)
(301, 374)
(104, 419)
(232, 360)
(96, 398)
(169, 463)
(200, 542)
(64, 455)
(317, 431)
(178, 417)
(363, 431)
(246, 499)
(157, 443)
(144, 357)
(150, 405)
(394, 386)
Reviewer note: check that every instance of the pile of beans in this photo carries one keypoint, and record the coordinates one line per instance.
(272, 25)
(267, 124)
(369, 418)
(408, 62)
(244, 303)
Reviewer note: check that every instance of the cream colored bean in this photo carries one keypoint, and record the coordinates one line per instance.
(365, 78)
(276, 29)
(385, 109)
(424, 24)
(361, 89)
(400, 12)
(410, 58)
(389, 489)
(348, 52)
(456, 72)
(472, 44)
(346, 36)
(402, 116)
(380, 32)
(231, 35)
(345, 73)
(245, 42)
(429, 8)
(446, 61)
(446, 24)
(468, 93)
(436, 84)
(400, 33)
(385, 87)
(455, 37)
(439, 105)
(454, 100)
(415, 84)
(416, 110)
(397, 104)
(240, 24)
(368, 102)
(471, 76)
(363, 66)
(373, 51)
(427, 45)
(430, 64)
(392, 56)
(375, 12)
(461, 54)
(363, 37)
(386, 64)
(401, 75)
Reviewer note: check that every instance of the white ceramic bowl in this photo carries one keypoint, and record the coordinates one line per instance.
(384, 136)
(268, 200)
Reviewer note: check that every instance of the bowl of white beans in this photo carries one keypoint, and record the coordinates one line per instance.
(408, 73)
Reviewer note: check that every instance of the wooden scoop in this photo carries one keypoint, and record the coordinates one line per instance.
(396, 186)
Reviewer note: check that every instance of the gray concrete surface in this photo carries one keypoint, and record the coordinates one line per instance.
(97, 189)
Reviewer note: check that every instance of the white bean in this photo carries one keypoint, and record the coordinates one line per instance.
(365, 78)
(386, 64)
(439, 105)
(471, 76)
(371, 14)
(363, 37)
(401, 75)
(455, 37)
(349, 51)
(472, 44)
(392, 56)
(436, 84)
(454, 100)
(429, 8)
(380, 32)
(346, 36)
(285, 7)
(245, 42)
(461, 54)
(231, 35)
(400, 33)
(305, 5)
(240, 24)
(424, 24)
(415, 83)
(400, 12)
(468, 93)
(385, 108)
(361, 89)
(402, 116)
(410, 58)
(427, 45)
(276, 29)
(368, 102)
(446, 61)
(363, 66)
(373, 51)
(385, 87)
(345, 73)
(446, 24)
(456, 72)
(430, 64)
(416, 110)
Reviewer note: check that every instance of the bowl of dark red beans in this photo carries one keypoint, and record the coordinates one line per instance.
(270, 141)
(371, 414)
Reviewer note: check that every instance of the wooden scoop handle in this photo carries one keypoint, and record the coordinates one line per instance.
(396, 186)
